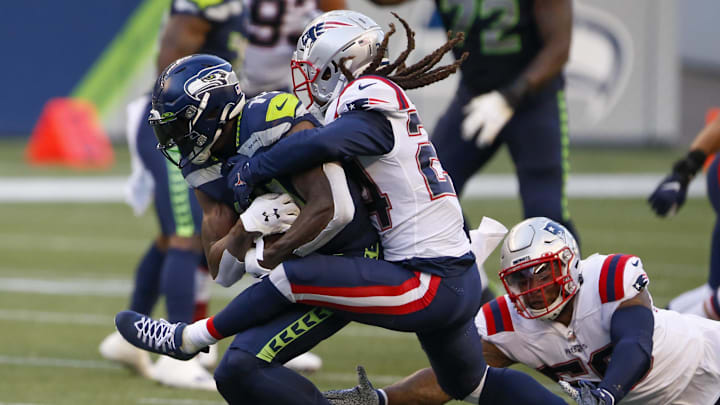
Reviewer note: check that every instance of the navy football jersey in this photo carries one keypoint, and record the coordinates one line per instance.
(264, 120)
(224, 37)
(500, 35)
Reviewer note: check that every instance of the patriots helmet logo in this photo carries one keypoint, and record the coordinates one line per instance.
(641, 282)
(311, 34)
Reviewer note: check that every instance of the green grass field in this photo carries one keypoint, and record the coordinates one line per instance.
(65, 270)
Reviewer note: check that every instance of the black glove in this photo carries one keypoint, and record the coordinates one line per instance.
(671, 193)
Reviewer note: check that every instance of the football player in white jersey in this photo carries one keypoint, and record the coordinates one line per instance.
(272, 28)
(428, 282)
(589, 323)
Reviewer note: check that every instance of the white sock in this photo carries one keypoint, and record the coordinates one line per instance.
(197, 336)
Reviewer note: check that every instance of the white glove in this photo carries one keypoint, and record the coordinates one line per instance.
(252, 266)
(270, 214)
(487, 113)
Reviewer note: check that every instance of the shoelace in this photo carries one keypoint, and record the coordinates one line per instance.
(156, 333)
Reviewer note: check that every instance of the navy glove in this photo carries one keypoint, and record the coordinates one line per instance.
(241, 189)
(588, 393)
(671, 193)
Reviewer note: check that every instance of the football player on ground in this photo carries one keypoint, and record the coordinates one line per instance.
(670, 195)
(587, 323)
(170, 266)
(428, 285)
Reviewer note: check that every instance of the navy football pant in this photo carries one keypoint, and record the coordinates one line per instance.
(440, 310)
(537, 138)
(251, 370)
(170, 273)
(713, 190)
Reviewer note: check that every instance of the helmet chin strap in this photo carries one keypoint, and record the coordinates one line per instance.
(230, 111)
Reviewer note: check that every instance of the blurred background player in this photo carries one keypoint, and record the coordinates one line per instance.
(670, 195)
(511, 91)
(273, 28)
(589, 322)
(169, 266)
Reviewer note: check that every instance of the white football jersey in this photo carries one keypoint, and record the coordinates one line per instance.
(421, 215)
(582, 350)
(273, 28)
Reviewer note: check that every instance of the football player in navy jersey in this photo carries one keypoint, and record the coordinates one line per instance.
(173, 265)
(670, 195)
(510, 92)
(210, 110)
(428, 282)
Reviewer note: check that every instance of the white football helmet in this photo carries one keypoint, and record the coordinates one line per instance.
(539, 260)
(334, 35)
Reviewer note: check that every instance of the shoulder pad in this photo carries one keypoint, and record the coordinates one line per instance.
(497, 316)
(621, 276)
(372, 93)
(266, 118)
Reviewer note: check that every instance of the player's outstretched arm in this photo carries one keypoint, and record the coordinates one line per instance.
(357, 133)
(422, 388)
(631, 333)
(671, 193)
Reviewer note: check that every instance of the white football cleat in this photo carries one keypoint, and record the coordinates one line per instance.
(115, 348)
(209, 360)
(182, 374)
(305, 363)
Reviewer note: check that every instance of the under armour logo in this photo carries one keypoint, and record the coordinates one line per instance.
(267, 216)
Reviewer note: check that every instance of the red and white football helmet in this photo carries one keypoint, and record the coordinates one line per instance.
(332, 36)
(540, 259)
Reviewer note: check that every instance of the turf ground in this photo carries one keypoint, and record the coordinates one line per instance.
(66, 269)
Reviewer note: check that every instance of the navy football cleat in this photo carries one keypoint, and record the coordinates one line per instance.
(157, 336)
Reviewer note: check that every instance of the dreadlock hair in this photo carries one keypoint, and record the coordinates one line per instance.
(418, 75)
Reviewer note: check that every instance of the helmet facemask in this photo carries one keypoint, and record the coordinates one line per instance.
(541, 287)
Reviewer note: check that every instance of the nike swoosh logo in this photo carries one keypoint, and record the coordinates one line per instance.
(361, 87)
(280, 107)
(636, 262)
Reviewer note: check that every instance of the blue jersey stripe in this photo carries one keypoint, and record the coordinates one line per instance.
(497, 316)
(610, 284)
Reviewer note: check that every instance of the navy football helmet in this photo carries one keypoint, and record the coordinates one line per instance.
(192, 100)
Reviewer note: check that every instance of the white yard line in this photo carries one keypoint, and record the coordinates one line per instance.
(110, 189)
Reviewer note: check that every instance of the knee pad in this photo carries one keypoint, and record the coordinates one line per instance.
(234, 369)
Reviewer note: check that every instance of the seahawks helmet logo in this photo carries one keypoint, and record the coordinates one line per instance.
(209, 79)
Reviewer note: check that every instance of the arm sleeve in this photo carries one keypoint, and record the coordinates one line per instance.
(631, 333)
(358, 133)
